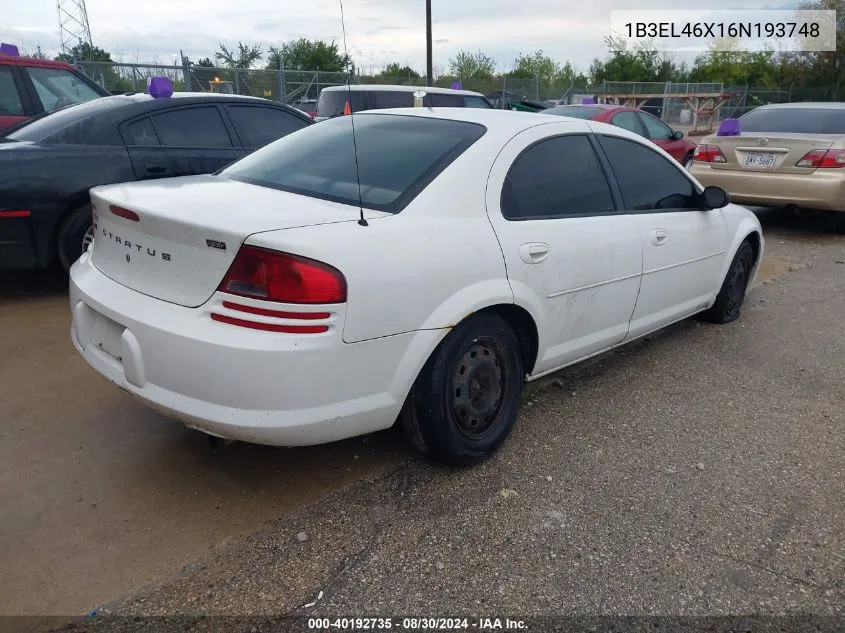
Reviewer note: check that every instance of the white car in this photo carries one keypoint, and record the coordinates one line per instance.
(292, 299)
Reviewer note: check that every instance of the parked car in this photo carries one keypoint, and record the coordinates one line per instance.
(292, 299)
(785, 154)
(638, 122)
(337, 100)
(48, 165)
(30, 87)
(308, 106)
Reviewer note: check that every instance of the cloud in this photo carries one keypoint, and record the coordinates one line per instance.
(378, 31)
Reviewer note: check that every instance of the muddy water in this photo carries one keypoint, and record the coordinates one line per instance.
(100, 495)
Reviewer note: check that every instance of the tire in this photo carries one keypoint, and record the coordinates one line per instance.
(72, 233)
(732, 294)
(466, 399)
(688, 161)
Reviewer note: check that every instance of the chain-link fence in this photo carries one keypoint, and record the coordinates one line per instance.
(289, 86)
(676, 103)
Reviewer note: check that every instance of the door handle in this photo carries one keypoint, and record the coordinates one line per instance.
(534, 252)
(659, 237)
(156, 168)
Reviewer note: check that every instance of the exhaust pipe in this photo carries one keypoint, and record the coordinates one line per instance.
(219, 444)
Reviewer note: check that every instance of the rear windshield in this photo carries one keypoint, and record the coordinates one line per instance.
(578, 112)
(795, 120)
(67, 124)
(397, 157)
(333, 102)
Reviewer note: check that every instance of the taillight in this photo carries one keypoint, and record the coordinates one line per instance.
(820, 158)
(260, 273)
(124, 213)
(708, 154)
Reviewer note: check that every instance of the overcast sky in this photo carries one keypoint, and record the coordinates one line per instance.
(378, 31)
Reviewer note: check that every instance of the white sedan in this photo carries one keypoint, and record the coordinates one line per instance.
(322, 288)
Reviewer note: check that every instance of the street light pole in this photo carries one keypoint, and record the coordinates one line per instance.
(428, 56)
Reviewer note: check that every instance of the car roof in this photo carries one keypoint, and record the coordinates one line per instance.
(16, 60)
(507, 120)
(827, 105)
(397, 88)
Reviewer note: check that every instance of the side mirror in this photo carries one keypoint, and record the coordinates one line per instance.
(715, 197)
(677, 135)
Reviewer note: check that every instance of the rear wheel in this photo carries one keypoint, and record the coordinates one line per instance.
(732, 294)
(688, 161)
(74, 236)
(466, 399)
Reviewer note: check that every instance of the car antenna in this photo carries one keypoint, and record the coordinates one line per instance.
(361, 220)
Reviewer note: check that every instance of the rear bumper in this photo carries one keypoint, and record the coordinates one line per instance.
(823, 189)
(237, 383)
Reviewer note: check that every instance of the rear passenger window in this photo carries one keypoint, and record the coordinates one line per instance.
(383, 99)
(258, 126)
(10, 100)
(476, 102)
(192, 127)
(628, 121)
(648, 181)
(142, 133)
(557, 177)
(444, 101)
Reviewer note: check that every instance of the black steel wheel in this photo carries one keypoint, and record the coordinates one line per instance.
(74, 236)
(732, 294)
(466, 399)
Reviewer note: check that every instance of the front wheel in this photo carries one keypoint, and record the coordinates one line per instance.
(466, 398)
(732, 293)
(75, 235)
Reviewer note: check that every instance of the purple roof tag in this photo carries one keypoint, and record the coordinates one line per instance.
(159, 87)
(9, 49)
(729, 127)
(456, 85)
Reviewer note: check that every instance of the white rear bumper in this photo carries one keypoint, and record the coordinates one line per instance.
(238, 383)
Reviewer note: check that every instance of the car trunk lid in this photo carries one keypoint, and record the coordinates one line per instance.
(776, 152)
(175, 239)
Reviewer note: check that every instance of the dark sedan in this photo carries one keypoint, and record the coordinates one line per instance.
(48, 164)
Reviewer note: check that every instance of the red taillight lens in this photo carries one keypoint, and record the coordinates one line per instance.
(273, 276)
(708, 154)
(16, 213)
(124, 213)
(820, 158)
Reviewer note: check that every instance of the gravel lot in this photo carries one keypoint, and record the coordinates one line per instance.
(699, 472)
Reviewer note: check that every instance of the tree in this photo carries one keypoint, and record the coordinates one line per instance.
(643, 62)
(243, 57)
(394, 70)
(827, 68)
(468, 66)
(537, 65)
(85, 52)
(97, 64)
(305, 54)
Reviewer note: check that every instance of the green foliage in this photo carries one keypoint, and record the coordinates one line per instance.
(468, 66)
(640, 63)
(244, 56)
(399, 72)
(305, 54)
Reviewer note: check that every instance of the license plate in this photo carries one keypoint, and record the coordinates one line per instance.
(766, 161)
(106, 335)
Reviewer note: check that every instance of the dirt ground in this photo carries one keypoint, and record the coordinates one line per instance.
(712, 461)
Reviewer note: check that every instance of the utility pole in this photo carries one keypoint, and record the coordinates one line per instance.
(428, 55)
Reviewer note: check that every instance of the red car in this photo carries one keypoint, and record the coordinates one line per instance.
(637, 121)
(29, 86)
